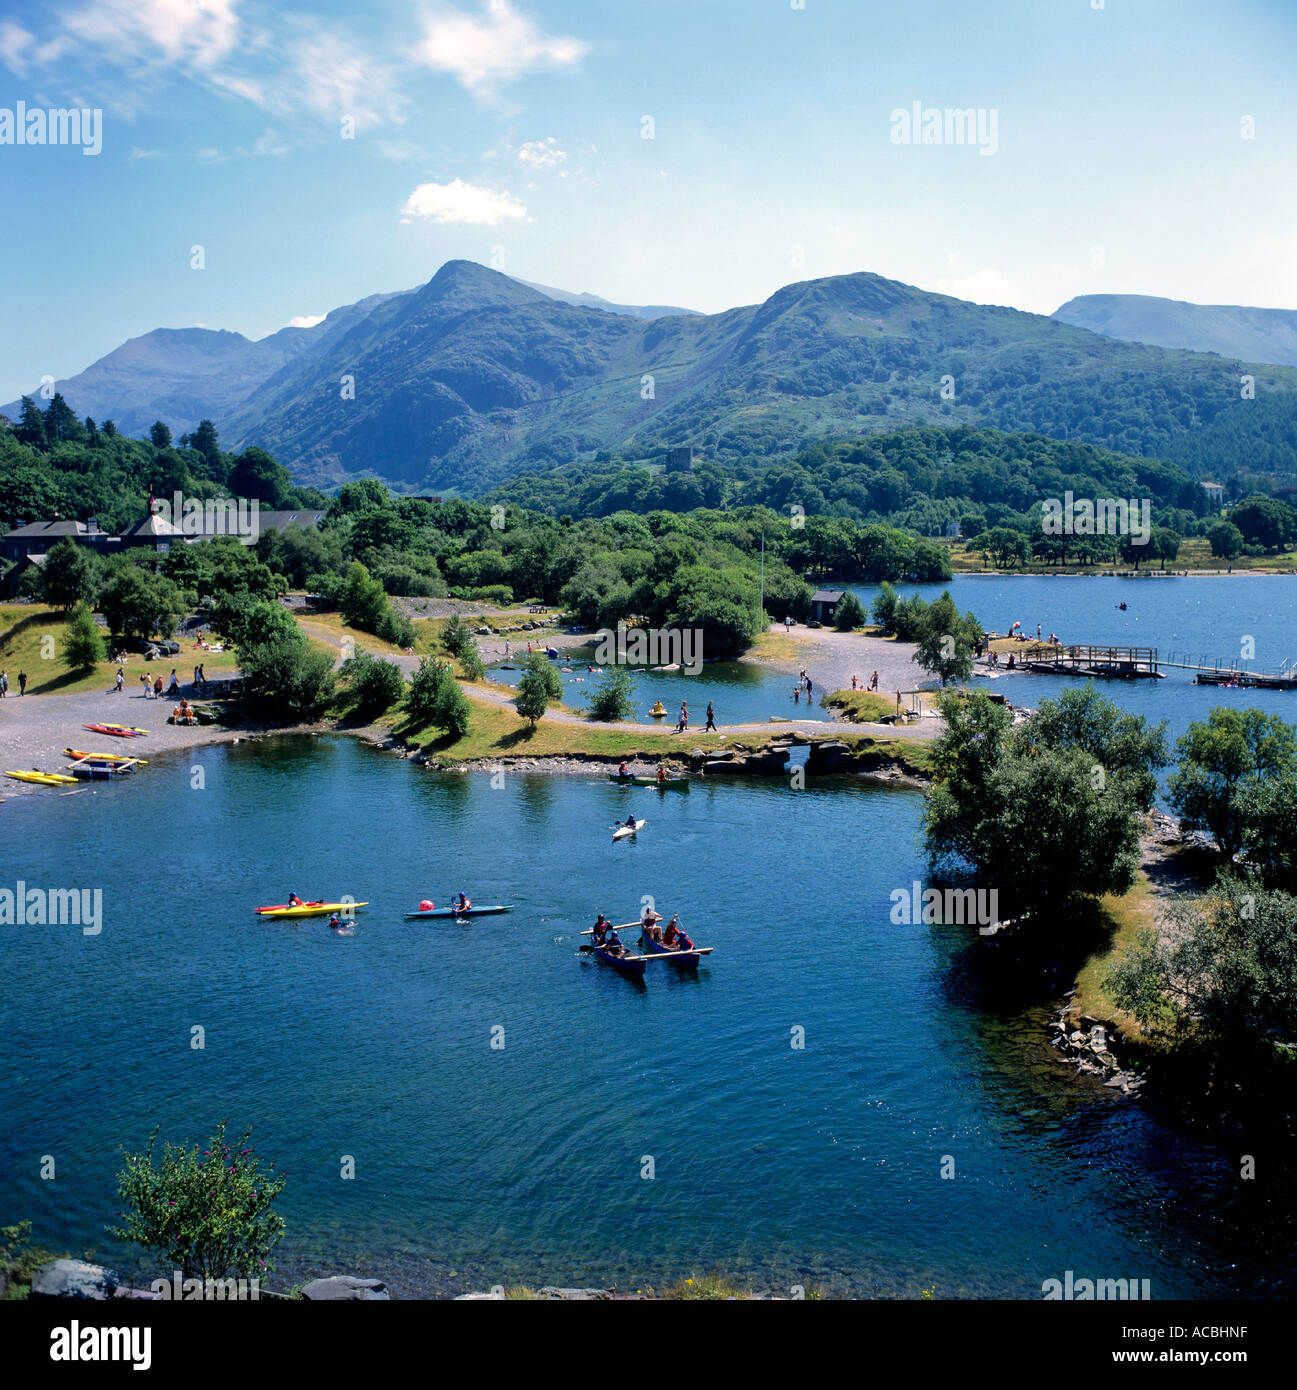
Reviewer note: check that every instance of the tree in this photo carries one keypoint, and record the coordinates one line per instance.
(1221, 761)
(434, 698)
(204, 440)
(1004, 547)
(1226, 540)
(1268, 812)
(31, 424)
(83, 644)
(885, 607)
(139, 604)
(947, 641)
(1264, 521)
(61, 425)
(160, 435)
(69, 576)
(849, 614)
(1224, 972)
(373, 684)
(611, 699)
(532, 699)
(208, 1211)
(288, 674)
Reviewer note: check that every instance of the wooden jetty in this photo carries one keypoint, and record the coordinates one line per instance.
(1218, 672)
(1093, 662)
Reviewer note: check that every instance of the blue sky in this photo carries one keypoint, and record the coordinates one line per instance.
(512, 132)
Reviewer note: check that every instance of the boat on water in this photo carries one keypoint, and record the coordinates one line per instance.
(624, 831)
(629, 964)
(453, 912)
(308, 910)
(658, 710)
(679, 784)
(684, 960)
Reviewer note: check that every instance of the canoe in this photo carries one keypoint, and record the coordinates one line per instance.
(79, 755)
(628, 965)
(452, 912)
(626, 830)
(674, 783)
(686, 960)
(308, 910)
(101, 772)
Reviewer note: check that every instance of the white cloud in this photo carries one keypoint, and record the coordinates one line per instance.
(268, 143)
(201, 32)
(14, 39)
(307, 320)
(542, 154)
(335, 77)
(986, 286)
(458, 201)
(138, 153)
(497, 46)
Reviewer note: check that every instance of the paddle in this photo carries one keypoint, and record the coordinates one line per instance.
(620, 926)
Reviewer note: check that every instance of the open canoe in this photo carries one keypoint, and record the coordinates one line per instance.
(676, 784)
(686, 960)
(628, 964)
(452, 912)
(308, 910)
(626, 830)
(79, 755)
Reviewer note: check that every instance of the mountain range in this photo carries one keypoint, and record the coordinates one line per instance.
(475, 377)
(1233, 330)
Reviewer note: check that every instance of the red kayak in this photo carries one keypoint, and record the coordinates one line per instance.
(115, 730)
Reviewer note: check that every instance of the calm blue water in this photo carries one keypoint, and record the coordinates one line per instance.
(741, 692)
(1211, 618)
(474, 1165)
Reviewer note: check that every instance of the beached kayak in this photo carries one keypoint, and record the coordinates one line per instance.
(79, 755)
(116, 730)
(308, 910)
(675, 784)
(455, 912)
(45, 779)
(626, 830)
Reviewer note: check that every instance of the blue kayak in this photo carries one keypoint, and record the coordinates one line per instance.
(686, 960)
(455, 912)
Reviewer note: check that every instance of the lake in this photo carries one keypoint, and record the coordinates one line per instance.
(475, 1166)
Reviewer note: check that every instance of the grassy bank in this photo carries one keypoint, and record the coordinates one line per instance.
(1195, 556)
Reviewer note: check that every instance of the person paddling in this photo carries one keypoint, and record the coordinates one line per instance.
(601, 929)
(623, 771)
(294, 900)
(462, 903)
(630, 822)
(671, 934)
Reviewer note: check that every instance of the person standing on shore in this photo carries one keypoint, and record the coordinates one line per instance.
(711, 719)
(22, 683)
(4, 684)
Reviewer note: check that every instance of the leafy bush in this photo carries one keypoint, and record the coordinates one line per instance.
(208, 1211)
(83, 644)
(434, 698)
(373, 685)
(611, 699)
(850, 613)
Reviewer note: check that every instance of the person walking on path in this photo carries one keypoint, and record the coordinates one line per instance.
(4, 684)
(22, 683)
(121, 677)
(711, 719)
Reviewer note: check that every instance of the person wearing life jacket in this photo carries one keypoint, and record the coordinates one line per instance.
(601, 929)
(662, 773)
(683, 940)
(671, 934)
(623, 771)
(294, 900)
(612, 942)
(336, 922)
(462, 903)
(630, 822)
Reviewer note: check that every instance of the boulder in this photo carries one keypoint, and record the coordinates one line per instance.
(343, 1287)
(581, 1295)
(73, 1279)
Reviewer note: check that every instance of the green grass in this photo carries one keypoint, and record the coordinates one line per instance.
(1195, 555)
(24, 647)
(860, 706)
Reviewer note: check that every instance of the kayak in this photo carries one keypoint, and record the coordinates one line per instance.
(308, 910)
(626, 830)
(81, 756)
(686, 960)
(45, 779)
(629, 964)
(283, 907)
(658, 710)
(678, 784)
(116, 730)
(455, 912)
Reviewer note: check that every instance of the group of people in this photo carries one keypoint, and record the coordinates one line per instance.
(873, 683)
(183, 712)
(153, 688)
(4, 683)
(804, 683)
(606, 936)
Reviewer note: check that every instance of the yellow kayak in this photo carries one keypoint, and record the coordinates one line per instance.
(308, 910)
(46, 779)
(658, 710)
